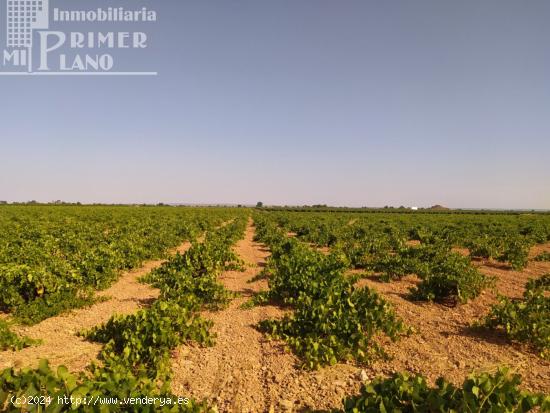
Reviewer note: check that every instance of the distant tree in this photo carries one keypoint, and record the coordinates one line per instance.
(3, 202)
(260, 204)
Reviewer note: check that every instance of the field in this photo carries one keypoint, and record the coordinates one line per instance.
(271, 310)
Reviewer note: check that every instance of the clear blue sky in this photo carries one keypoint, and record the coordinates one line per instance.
(299, 102)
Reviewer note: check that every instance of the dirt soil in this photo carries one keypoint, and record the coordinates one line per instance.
(245, 372)
(446, 345)
(61, 345)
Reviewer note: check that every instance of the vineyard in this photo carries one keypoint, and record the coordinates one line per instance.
(241, 310)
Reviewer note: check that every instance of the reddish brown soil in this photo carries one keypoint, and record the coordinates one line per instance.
(61, 345)
(446, 345)
(245, 372)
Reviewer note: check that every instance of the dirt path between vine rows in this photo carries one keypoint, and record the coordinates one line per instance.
(446, 345)
(246, 372)
(60, 344)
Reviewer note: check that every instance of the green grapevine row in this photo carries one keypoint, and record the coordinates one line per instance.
(485, 392)
(54, 258)
(332, 320)
(135, 360)
(526, 319)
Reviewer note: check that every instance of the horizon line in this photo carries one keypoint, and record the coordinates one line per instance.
(251, 205)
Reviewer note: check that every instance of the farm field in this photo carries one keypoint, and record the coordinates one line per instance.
(258, 310)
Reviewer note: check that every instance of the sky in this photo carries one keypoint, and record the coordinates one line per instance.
(356, 103)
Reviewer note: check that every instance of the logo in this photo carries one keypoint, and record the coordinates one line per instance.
(42, 41)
